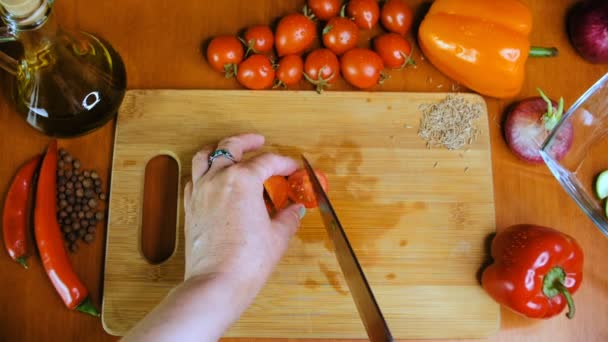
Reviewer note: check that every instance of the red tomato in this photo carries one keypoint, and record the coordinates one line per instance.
(321, 68)
(224, 53)
(325, 9)
(256, 72)
(295, 34)
(340, 35)
(300, 189)
(290, 70)
(276, 188)
(394, 50)
(259, 39)
(396, 16)
(365, 13)
(362, 68)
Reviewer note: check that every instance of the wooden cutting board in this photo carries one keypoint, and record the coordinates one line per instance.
(417, 217)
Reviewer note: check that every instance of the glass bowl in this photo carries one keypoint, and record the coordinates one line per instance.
(575, 171)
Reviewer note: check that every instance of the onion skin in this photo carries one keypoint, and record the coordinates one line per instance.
(588, 30)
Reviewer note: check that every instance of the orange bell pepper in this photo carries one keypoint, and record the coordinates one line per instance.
(482, 44)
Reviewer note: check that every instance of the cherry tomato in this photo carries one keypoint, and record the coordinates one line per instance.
(362, 68)
(325, 9)
(365, 13)
(259, 39)
(321, 68)
(276, 188)
(295, 34)
(394, 50)
(396, 16)
(256, 72)
(340, 35)
(224, 53)
(290, 70)
(300, 189)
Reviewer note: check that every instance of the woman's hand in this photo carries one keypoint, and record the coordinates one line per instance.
(228, 231)
(232, 245)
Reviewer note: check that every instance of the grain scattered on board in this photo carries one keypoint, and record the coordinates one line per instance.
(450, 123)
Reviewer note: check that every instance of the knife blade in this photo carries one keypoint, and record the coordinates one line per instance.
(367, 306)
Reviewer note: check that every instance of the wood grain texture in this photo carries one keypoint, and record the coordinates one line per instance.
(416, 217)
(160, 43)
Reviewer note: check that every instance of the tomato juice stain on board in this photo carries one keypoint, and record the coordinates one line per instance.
(403, 243)
(390, 276)
(354, 194)
(311, 284)
(333, 278)
(347, 185)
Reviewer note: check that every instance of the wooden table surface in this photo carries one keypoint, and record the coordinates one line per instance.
(160, 42)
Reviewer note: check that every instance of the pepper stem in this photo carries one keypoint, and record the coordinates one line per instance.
(564, 291)
(538, 51)
(553, 285)
(22, 262)
(87, 307)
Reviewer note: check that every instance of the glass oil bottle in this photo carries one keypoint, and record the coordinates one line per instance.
(67, 83)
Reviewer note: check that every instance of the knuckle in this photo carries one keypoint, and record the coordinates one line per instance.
(196, 157)
(229, 142)
(234, 177)
(199, 157)
(259, 166)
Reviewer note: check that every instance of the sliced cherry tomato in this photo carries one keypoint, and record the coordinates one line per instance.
(362, 68)
(290, 70)
(394, 50)
(259, 39)
(365, 13)
(396, 16)
(224, 53)
(325, 9)
(340, 35)
(321, 68)
(276, 188)
(300, 188)
(256, 72)
(295, 34)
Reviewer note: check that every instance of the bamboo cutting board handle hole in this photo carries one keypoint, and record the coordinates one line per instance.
(159, 212)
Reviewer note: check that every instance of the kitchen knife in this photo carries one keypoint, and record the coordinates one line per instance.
(369, 311)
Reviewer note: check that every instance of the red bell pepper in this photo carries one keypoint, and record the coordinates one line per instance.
(535, 271)
(50, 242)
(15, 215)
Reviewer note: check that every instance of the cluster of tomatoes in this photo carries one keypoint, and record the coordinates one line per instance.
(251, 58)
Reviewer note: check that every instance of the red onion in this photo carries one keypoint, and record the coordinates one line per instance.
(588, 28)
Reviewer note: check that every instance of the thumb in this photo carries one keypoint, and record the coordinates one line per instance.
(287, 221)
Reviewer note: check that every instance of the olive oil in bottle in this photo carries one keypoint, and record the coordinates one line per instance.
(67, 83)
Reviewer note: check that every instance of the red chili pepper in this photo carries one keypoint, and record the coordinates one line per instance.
(535, 272)
(15, 215)
(50, 242)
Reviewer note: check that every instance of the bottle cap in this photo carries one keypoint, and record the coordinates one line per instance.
(20, 8)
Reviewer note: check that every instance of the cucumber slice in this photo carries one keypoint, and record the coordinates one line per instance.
(601, 185)
(606, 210)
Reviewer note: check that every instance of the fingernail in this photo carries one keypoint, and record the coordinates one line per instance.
(302, 212)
